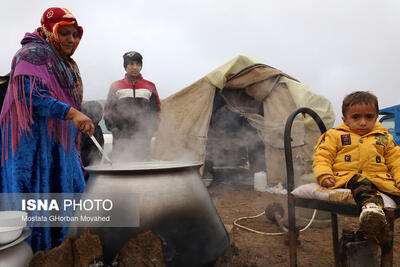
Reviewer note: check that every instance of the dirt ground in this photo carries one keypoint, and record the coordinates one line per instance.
(236, 200)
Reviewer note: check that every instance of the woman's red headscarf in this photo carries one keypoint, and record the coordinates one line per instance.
(52, 19)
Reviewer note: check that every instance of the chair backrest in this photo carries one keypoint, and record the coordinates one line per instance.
(287, 141)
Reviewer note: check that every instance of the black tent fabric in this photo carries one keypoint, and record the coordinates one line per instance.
(3, 88)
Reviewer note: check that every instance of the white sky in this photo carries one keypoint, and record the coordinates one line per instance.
(332, 46)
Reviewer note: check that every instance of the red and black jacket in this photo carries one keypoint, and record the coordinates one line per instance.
(129, 102)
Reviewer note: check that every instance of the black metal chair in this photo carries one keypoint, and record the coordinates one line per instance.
(334, 207)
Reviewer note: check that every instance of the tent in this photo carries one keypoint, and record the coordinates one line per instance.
(3, 88)
(261, 95)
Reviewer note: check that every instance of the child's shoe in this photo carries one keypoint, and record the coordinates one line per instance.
(373, 223)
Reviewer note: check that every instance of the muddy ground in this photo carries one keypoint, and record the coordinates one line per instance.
(234, 200)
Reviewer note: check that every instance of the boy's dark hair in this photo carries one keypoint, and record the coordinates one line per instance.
(132, 56)
(359, 97)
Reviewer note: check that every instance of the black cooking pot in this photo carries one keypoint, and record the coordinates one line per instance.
(174, 204)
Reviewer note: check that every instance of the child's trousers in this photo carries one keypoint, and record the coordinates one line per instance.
(364, 191)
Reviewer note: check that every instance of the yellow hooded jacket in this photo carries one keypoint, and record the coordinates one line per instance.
(341, 154)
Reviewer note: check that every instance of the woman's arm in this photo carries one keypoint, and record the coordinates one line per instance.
(45, 105)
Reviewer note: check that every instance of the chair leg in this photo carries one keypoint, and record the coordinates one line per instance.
(387, 251)
(335, 238)
(292, 232)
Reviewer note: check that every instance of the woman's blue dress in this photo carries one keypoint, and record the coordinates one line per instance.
(40, 163)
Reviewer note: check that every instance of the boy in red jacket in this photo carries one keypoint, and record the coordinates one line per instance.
(131, 112)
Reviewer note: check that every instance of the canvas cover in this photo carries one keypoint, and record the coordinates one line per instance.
(246, 85)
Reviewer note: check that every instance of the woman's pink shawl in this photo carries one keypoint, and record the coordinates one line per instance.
(36, 59)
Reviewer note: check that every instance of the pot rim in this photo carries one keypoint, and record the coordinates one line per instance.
(145, 166)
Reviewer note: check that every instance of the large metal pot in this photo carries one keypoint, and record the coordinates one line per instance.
(174, 204)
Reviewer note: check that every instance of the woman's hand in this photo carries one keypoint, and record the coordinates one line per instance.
(82, 122)
(328, 182)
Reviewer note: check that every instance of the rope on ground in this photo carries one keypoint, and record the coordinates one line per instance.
(235, 222)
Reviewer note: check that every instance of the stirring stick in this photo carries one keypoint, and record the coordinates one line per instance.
(100, 148)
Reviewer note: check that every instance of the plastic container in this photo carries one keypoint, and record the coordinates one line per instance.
(16, 256)
(260, 181)
(11, 225)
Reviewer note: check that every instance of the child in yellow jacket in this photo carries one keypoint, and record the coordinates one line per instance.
(361, 155)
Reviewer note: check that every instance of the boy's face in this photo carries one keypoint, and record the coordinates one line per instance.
(133, 68)
(361, 118)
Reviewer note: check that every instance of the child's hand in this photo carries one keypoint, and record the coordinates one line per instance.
(329, 182)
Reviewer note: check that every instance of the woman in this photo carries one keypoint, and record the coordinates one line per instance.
(40, 119)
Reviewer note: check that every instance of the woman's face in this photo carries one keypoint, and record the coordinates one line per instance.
(68, 37)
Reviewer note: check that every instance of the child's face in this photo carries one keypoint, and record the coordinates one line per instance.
(360, 118)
